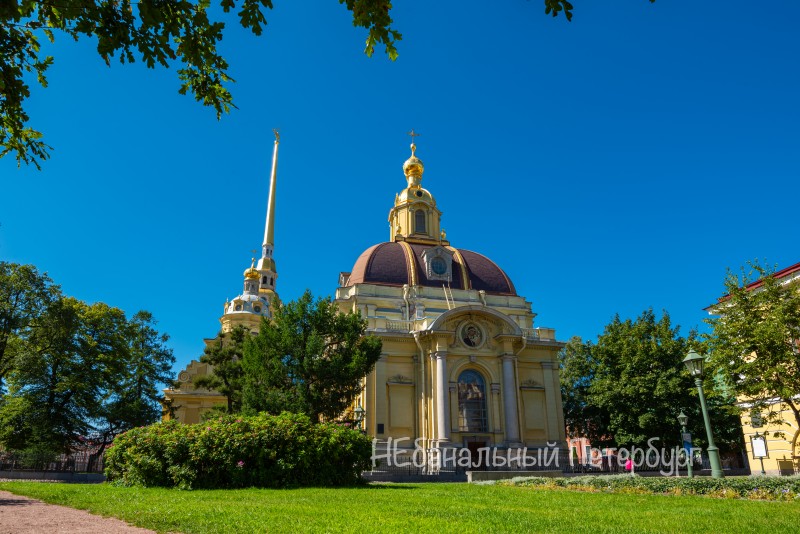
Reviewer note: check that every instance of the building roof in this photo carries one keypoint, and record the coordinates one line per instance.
(400, 263)
(790, 272)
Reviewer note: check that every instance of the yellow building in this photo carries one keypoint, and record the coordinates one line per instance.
(463, 364)
(782, 441)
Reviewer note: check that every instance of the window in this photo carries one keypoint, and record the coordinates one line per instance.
(472, 402)
(438, 266)
(419, 222)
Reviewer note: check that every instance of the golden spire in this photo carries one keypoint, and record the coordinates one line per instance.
(269, 230)
(266, 265)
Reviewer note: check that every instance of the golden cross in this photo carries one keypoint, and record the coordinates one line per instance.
(413, 134)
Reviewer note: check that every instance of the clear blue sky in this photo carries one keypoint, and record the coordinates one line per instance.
(615, 163)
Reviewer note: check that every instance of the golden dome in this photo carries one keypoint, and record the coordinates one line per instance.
(414, 194)
(251, 273)
(413, 168)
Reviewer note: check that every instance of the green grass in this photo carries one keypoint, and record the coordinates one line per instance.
(415, 508)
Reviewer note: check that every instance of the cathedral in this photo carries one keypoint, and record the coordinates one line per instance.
(463, 364)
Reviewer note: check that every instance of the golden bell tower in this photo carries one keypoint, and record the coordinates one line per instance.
(415, 217)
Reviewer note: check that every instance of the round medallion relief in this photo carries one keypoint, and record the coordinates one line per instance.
(471, 335)
(183, 376)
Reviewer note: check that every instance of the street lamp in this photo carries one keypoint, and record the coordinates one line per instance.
(359, 415)
(694, 363)
(683, 420)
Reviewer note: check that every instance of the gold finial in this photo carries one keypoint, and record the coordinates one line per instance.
(413, 134)
(252, 272)
(443, 234)
(277, 135)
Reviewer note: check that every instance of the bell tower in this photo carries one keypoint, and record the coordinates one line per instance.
(415, 217)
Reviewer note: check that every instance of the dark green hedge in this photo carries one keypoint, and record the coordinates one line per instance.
(754, 487)
(237, 451)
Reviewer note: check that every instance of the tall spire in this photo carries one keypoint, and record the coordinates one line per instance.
(266, 265)
(269, 229)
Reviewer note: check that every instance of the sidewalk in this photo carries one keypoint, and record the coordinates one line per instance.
(22, 515)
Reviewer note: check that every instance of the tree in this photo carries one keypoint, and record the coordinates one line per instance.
(225, 357)
(24, 295)
(577, 371)
(131, 396)
(755, 341)
(82, 371)
(630, 386)
(56, 386)
(157, 32)
(309, 359)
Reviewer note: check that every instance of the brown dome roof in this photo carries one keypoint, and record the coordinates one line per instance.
(399, 263)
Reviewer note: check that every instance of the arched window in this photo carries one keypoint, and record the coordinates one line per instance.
(419, 222)
(472, 402)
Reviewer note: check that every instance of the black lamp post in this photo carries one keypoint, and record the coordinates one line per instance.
(683, 420)
(694, 363)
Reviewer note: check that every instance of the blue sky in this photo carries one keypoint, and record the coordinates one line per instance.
(615, 163)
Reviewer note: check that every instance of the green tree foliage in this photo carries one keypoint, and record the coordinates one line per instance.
(577, 370)
(24, 294)
(630, 385)
(74, 370)
(57, 383)
(310, 359)
(131, 394)
(225, 357)
(156, 32)
(755, 340)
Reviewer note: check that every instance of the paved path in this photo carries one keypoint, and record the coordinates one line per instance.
(22, 515)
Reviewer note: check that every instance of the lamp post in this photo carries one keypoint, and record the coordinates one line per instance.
(683, 419)
(359, 415)
(694, 363)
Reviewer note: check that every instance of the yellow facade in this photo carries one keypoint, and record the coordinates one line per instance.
(782, 446)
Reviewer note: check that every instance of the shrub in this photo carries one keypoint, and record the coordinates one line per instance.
(238, 451)
(770, 488)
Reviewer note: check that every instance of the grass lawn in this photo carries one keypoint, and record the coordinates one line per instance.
(415, 508)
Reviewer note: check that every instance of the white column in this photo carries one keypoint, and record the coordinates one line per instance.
(510, 400)
(442, 392)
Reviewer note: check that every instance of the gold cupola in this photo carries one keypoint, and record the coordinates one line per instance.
(413, 168)
(251, 273)
(415, 217)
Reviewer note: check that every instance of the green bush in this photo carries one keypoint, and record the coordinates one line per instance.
(770, 488)
(237, 451)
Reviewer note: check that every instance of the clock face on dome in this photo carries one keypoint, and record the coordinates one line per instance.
(438, 266)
